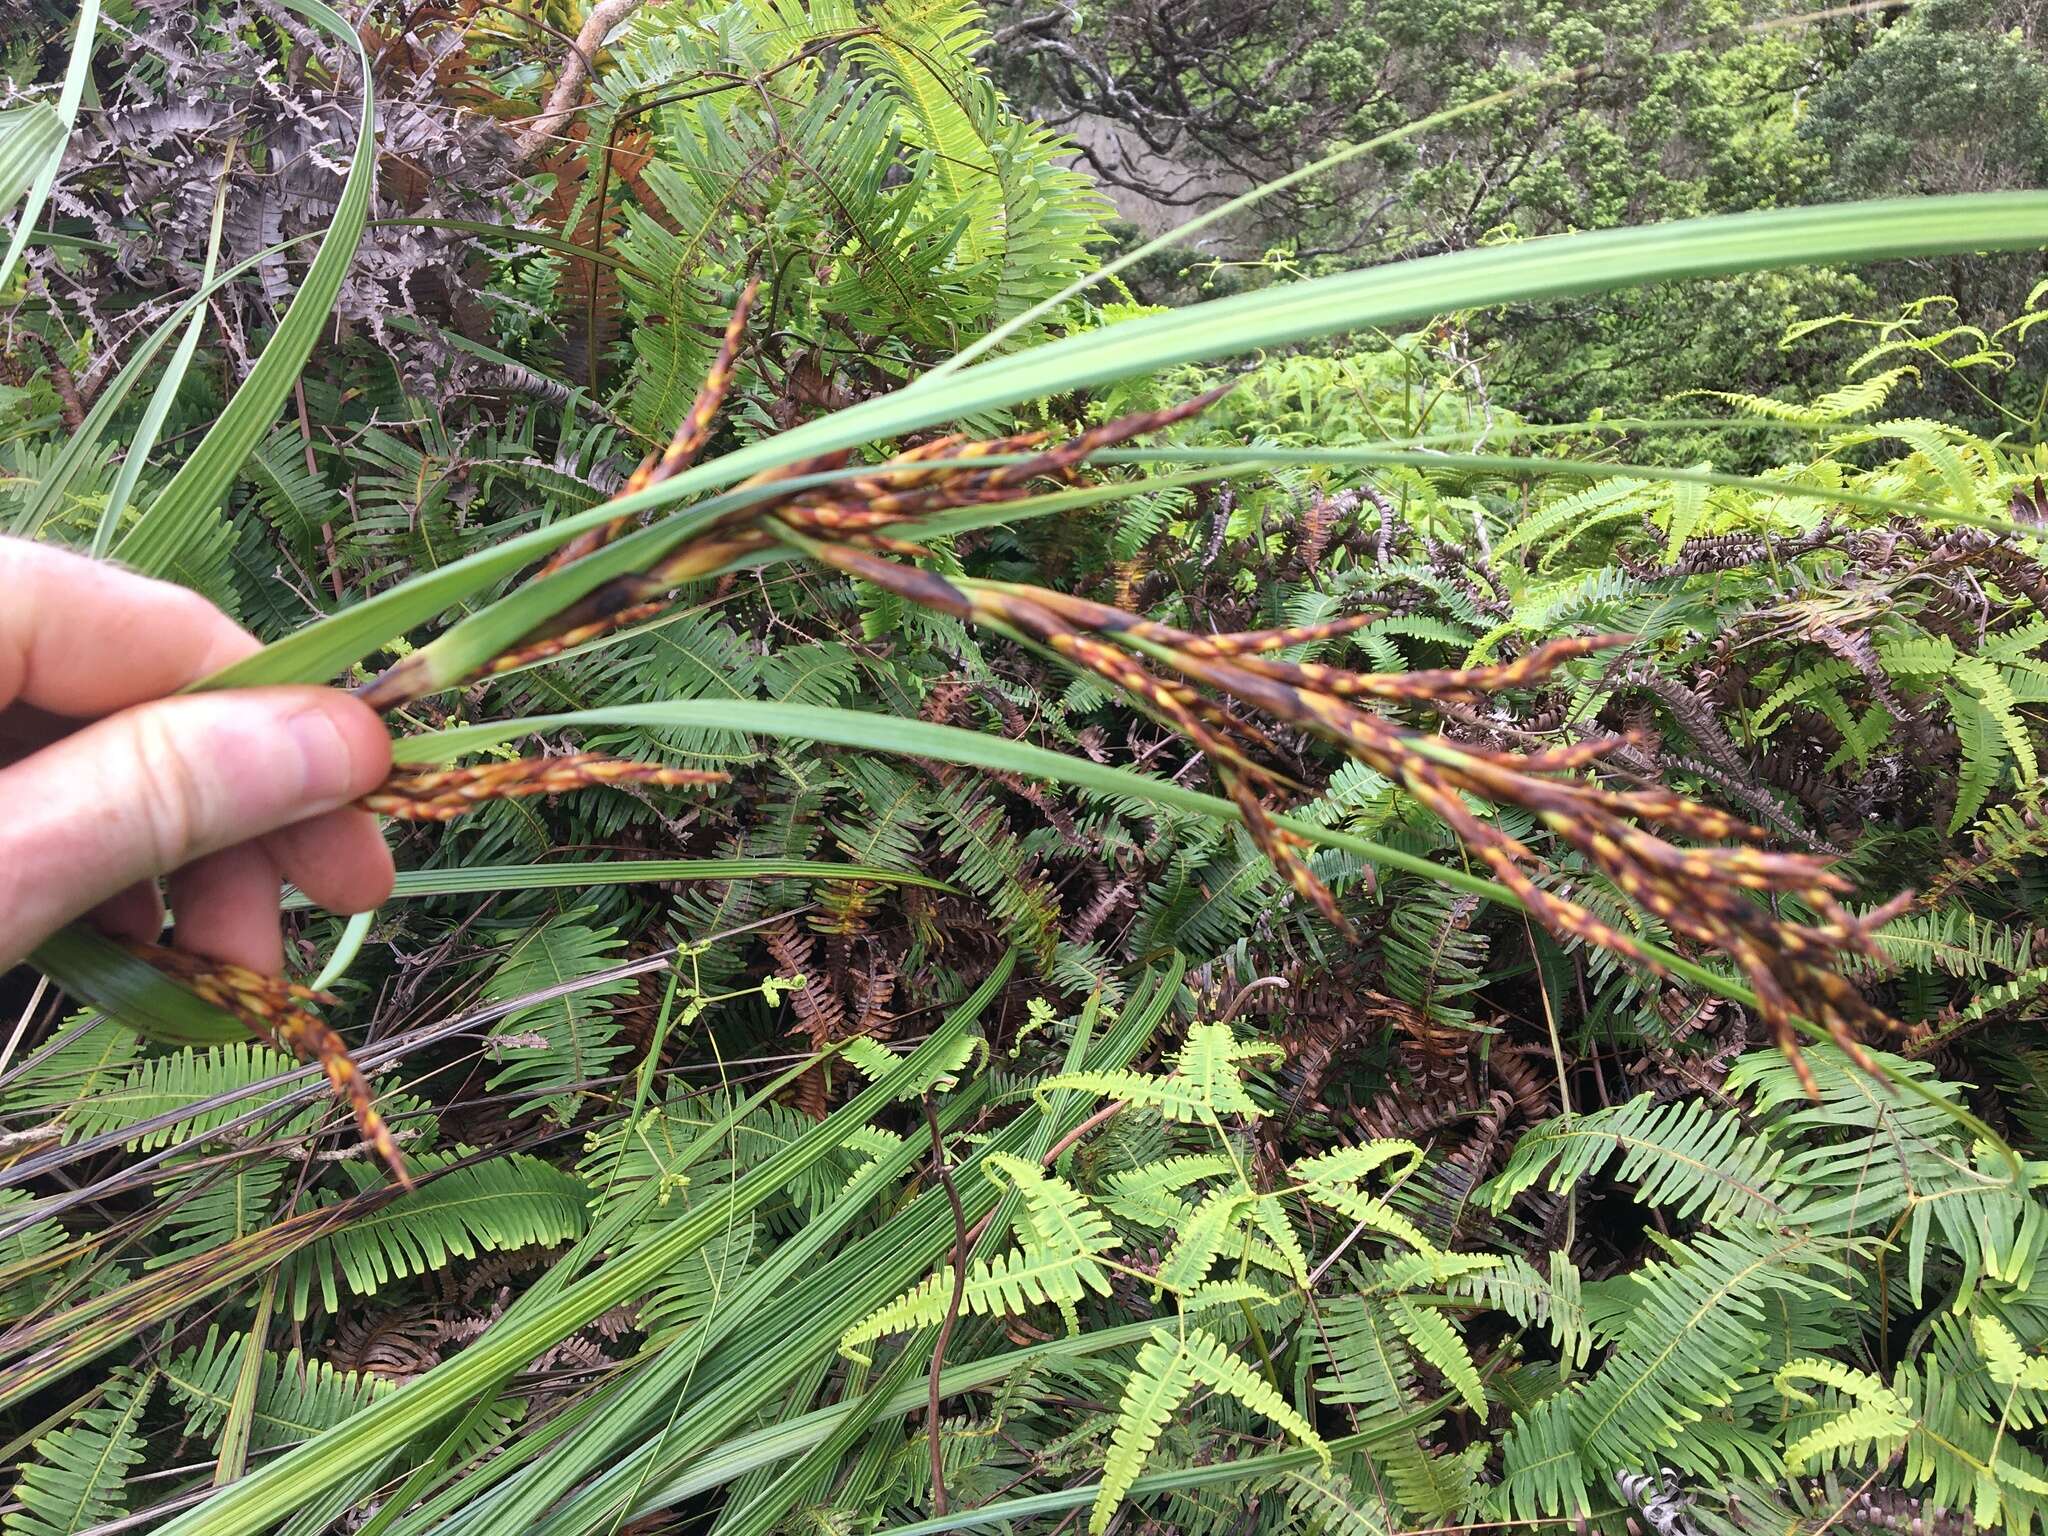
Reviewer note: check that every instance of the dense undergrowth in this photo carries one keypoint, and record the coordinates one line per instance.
(954, 1119)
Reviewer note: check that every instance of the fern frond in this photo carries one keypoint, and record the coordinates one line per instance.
(1857, 398)
(510, 1202)
(1689, 1338)
(1057, 1217)
(570, 1039)
(1159, 1381)
(296, 1397)
(1513, 1286)
(1003, 1286)
(74, 1476)
(1687, 1156)
(1541, 1473)
(1205, 1083)
(1433, 1338)
(1167, 1370)
(1202, 1236)
(1873, 1427)
(1333, 1178)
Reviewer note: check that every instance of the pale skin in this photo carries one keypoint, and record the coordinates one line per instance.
(109, 784)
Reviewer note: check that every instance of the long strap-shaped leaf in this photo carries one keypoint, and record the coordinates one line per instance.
(266, 1496)
(30, 137)
(81, 448)
(772, 1336)
(178, 516)
(165, 394)
(1552, 267)
(583, 874)
(974, 749)
(37, 143)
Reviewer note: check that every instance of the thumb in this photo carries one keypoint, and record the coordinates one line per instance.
(152, 788)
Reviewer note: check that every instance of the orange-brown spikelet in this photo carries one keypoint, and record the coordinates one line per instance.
(282, 1013)
(948, 472)
(443, 794)
(689, 440)
(929, 478)
(1220, 692)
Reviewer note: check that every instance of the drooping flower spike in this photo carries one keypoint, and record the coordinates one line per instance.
(281, 1012)
(1703, 894)
(446, 793)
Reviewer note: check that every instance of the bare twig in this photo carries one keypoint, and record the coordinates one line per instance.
(576, 68)
(1102, 1116)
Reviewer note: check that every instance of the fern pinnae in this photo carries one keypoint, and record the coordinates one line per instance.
(1201, 1238)
(1877, 1419)
(1433, 1337)
(73, 1477)
(1160, 1379)
(1166, 1372)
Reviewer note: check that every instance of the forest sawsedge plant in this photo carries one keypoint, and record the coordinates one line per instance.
(1231, 697)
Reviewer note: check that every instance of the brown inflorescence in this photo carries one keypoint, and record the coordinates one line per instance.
(1224, 693)
(442, 794)
(933, 477)
(282, 1013)
(1220, 690)
(683, 448)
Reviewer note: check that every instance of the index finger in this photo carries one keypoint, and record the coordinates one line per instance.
(82, 638)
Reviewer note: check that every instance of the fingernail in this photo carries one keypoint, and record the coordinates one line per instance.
(325, 764)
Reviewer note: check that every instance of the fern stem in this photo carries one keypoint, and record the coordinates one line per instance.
(960, 1245)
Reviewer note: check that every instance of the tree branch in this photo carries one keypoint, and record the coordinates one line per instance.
(576, 68)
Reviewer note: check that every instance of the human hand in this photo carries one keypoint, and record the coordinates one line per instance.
(106, 784)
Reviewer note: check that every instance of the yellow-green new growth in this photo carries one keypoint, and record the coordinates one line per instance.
(1167, 1372)
(1873, 1424)
(1204, 1086)
(1064, 1238)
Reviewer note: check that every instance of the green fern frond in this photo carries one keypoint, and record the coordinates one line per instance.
(569, 1039)
(1689, 1337)
(181, 1081)
(1542, 1474)
(1003, 1286)
(1167, 1370)
(1205, 1083)
(1857, 398)
(1333, 1179)
(1159, 1381)
(1513, 1286)
(1964, 1462)
(509, 1202)
(1270, 1217)
(296, 1397)
(1686, 1156)
(74, 1477)
(1057, 1217)
(1874, 1425)
(1202, 1236)
(1433, 1338)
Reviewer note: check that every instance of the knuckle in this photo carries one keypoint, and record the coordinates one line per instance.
(193, 613)
(167, 795)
